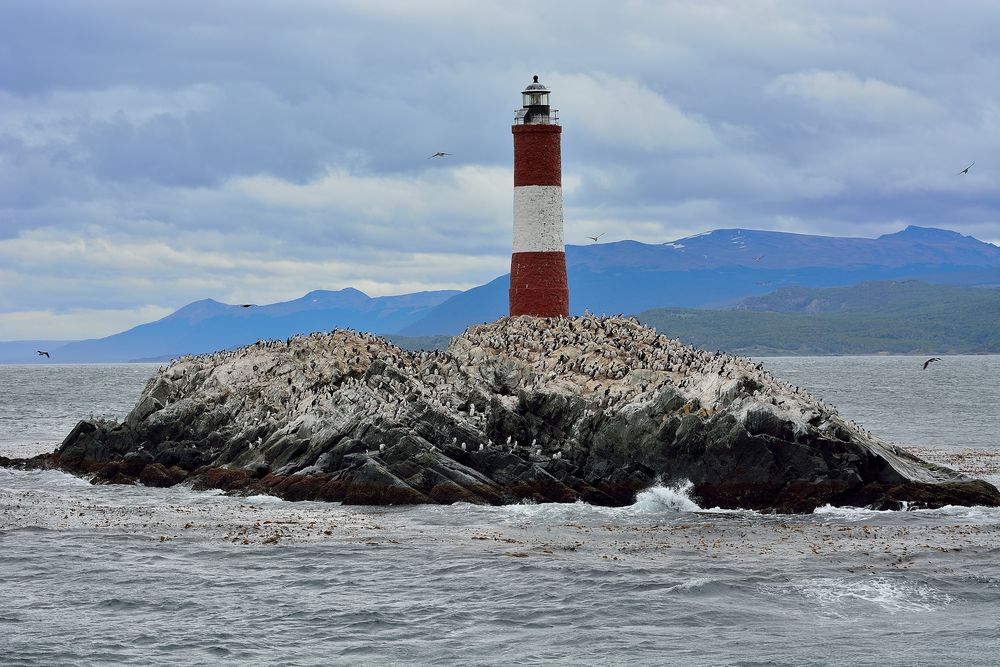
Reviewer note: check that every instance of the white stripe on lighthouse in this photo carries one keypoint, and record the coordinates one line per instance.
(538, 218)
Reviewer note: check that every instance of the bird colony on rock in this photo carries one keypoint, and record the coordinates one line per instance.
(551, 409)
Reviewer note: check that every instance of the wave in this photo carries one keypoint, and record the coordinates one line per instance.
(890, 594)
(848, 513)
(43, 479)
(262, 499)
(658, 499)
(975, 513)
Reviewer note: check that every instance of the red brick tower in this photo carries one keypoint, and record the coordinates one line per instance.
(538, 263)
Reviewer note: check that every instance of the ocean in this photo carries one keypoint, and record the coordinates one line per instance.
(99, 575)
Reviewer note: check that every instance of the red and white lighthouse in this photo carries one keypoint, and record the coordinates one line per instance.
(538, 262)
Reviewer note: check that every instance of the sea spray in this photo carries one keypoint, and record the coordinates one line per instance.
(660, 498)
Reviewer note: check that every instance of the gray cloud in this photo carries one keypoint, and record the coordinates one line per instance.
(152, 154)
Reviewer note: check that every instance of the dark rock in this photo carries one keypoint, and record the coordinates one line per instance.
(111, 472)
(158, 475)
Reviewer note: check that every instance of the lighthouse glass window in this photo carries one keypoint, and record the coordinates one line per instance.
(534, 99)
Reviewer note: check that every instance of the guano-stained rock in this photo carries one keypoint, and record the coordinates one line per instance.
(553, 410)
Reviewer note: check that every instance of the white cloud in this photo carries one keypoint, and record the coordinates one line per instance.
(623, 112)
(75, 325)
(96, 271)
(470, 191)
(846, 95)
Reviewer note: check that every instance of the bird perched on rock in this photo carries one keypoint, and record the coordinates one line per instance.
(928, 362)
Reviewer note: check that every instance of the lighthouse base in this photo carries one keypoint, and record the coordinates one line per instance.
(538, 284)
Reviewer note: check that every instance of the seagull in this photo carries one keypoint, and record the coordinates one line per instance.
(246, 305)
(927, 363)
(966, 170)
(758, 258)
(42, 353)
(438, 154)
(594, 238)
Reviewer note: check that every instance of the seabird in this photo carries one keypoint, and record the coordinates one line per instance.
(594, 238)
(246, 305)
(758, 258)
(438, 154)
(966, 170)
(42, 353)
(927, 363)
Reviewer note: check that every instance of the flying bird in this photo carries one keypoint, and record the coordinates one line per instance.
(758, 258)
(927, 363)
(594, 238)
(43, 353)
(438, 154)
(966, 170)
(246, 305)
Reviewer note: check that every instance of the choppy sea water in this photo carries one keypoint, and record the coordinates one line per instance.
(95, 575)
(39, 404)
(954, 403)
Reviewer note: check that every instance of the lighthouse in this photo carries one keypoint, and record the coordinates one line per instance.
(538, 261)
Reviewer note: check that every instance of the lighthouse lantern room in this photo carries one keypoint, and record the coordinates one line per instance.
(538, 284)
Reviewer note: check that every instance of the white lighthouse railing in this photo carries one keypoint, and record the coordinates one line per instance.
(551, 119)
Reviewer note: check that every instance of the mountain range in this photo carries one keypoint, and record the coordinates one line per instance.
(882, 317)
(208, 325)
(722, 269)
(718, 269)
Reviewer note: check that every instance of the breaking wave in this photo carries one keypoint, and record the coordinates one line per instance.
(659, 498)
(889, 594)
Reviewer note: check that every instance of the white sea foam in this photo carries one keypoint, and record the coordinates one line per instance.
(44, 479)
(852, 513)
(542, 512)
(264, 499)
(974, 514)
(891, 595)
(657, 499)
(691, 584)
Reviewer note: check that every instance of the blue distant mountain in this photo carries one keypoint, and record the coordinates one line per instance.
(208, 325)
(717, 269)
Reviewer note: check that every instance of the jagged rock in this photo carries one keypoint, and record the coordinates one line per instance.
(147, 406)
(548, 409)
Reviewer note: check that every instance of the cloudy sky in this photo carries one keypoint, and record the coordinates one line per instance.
(155, 153)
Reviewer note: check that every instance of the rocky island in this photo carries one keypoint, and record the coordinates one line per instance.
(548, 409)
